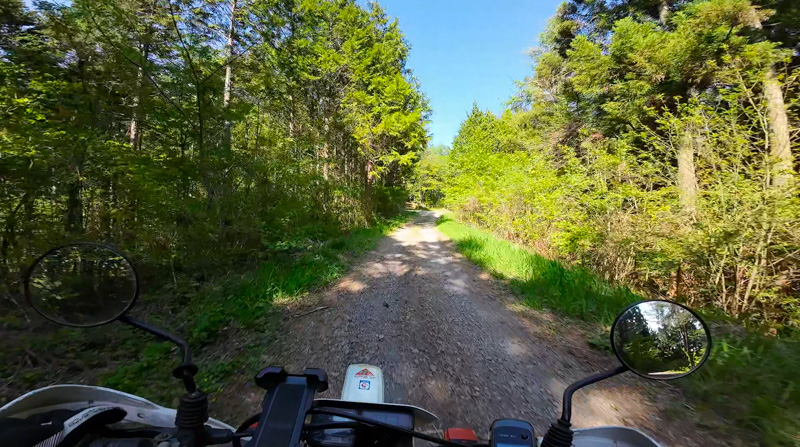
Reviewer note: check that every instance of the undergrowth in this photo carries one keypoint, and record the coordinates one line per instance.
(227, 322)
(751, 380)
(543, 283)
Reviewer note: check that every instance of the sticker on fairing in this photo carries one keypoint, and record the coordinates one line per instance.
(365, 373)
(71, 423)
(363, 385)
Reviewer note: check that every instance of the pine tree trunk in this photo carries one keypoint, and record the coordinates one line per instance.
(687, 178)
(780, 143)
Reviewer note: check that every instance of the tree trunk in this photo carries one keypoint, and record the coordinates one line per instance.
(687, 178)
(135, 130)
(367, 198)
(780, 143)
(226, 94)
(663, 12)
(325, 155)
(74, 218)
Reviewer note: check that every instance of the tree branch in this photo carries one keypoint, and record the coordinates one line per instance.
(141, 66)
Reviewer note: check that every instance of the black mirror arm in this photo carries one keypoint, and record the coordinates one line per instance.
(160, 333)
(566, 405)
(187, 370)
(560, 434)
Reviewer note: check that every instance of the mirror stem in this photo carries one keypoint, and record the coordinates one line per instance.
(162, 334)
(566, 409)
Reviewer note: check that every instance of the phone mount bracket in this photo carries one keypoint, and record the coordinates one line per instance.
(284, 409)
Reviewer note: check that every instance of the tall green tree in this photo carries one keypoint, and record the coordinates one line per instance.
(199, 134)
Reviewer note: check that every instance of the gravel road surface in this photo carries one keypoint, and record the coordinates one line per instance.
(453, 340)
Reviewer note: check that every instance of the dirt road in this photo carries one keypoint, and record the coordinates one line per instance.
(451, 339)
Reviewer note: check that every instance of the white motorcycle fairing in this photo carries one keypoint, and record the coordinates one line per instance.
(611, 436)
(77, 397)
(142, 411)
(364, 383)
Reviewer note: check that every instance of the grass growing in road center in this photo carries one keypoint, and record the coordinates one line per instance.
(543, 283)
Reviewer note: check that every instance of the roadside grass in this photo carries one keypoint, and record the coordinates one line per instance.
(751, 381)
(228, 321)
(541, 282)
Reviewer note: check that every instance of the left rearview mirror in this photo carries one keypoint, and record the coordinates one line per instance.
(82, 284)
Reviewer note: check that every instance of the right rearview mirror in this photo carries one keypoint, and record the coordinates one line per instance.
(660, 339)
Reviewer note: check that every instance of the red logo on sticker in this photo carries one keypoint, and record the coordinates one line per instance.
(365, 373)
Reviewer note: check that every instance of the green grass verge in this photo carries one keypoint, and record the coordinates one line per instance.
(243, 307)
(541, 282)
(227, 322)
(751, 380)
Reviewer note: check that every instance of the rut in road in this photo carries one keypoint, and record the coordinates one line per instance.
(449, 339)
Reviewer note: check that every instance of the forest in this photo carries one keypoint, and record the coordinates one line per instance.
(199, 135)
(654, 146)
(239, 151)
(242, 150)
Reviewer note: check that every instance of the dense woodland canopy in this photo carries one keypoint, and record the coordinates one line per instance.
(198, 134)
(656, 143)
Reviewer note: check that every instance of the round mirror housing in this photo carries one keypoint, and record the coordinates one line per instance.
(660, 340)
(82, 284)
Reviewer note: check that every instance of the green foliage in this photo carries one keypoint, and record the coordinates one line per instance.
(599, 186)
(543, 283)
(227, 321)
(750, 379)
(119, 124)
(205, 141)
(644, 152)
(754, 379)
(427, 185)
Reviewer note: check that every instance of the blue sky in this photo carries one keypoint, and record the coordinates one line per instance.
(468, 50)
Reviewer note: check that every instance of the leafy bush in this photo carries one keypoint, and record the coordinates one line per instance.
(225, 320)
(543, 283)
(750, 379)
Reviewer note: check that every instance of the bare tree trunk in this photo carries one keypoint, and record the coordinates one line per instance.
(226, 93)
(367, 198)
(687, 178)
(135, 130)
(663, 12)
(780, 143)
